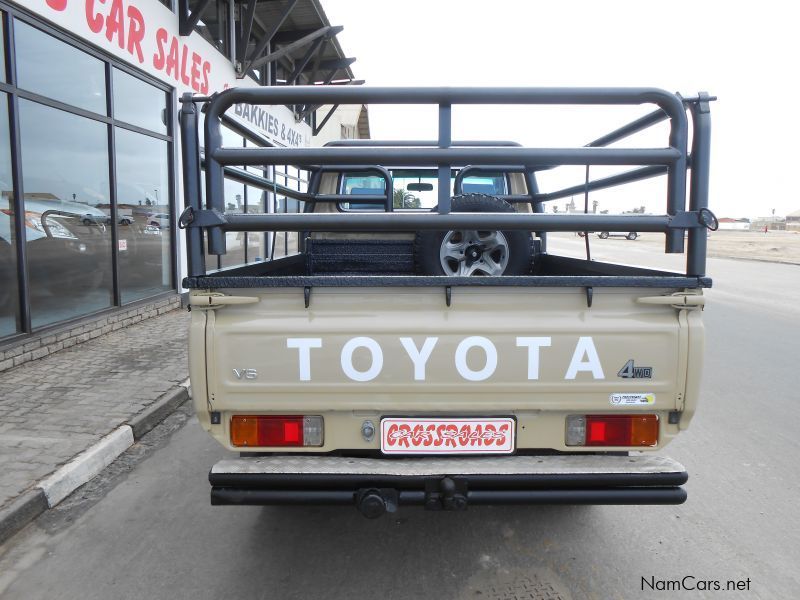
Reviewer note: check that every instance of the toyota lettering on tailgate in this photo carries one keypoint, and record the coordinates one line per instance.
(447, 436)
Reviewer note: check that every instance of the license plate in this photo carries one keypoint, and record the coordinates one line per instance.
(447, 436)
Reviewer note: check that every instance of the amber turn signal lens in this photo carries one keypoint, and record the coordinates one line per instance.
(244, 431)
(644, 430)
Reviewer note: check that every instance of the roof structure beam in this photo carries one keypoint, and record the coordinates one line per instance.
(268, 36)
(324, 122)
(328, 32)
(287, 37)
(309, 109)
(186, 20)
(313, 50)
(330, 76)
(317, 61)
(336, 63)
(247, 28)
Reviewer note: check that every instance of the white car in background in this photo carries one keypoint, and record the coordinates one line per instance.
(603, 235)
(61, 249)
(160, 220)
(629, 235)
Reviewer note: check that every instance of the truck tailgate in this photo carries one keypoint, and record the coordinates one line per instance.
(405, 351)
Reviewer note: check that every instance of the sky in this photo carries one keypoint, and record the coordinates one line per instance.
(745, 53)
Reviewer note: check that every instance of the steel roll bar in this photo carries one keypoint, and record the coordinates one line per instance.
(413, 221)
(445, 154)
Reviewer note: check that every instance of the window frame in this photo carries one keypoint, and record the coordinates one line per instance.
(341, 185)
(9, 15)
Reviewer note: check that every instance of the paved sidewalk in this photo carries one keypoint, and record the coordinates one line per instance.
(54, 408)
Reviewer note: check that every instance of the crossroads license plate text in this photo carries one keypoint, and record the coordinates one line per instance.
(447, 436)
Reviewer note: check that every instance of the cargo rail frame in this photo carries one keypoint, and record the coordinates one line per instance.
(682, 214)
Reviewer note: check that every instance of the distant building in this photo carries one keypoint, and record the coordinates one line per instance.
(793, 221)
(772, 223)
(731, 224)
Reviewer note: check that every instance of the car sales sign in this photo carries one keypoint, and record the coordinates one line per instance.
(144, 34)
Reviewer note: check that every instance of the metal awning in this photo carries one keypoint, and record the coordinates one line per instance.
(278, 42)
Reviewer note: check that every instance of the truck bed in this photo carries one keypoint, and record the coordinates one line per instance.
(390, 263)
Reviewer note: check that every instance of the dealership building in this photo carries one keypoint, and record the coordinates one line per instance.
(89, 149)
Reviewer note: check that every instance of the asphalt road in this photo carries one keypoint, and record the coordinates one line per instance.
(145, 529)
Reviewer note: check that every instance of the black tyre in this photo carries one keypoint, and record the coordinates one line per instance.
(475, 252)
(603, 235)
(632, 235)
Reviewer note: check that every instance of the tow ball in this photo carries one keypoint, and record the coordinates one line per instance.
(446, 494)
(374, 502)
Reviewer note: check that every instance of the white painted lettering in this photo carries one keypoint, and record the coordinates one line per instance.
(304, 346)
(591, 362)
(419, 356)
(533, 344)
(347, 359)
(461, 358)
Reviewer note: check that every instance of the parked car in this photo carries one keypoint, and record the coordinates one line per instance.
(126, 220)
(61, 249)
(96, 217)
(629, 235)
(160, 220)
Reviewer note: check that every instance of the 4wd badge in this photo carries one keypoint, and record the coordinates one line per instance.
(631, 371)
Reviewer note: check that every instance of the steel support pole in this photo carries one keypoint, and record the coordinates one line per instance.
(445, 140)
(676, 179)
(215, 183)
(195, 255)
(698, 197)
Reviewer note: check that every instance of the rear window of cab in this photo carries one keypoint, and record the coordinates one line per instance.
(414, 189)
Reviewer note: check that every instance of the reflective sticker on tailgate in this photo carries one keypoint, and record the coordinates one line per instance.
(629, 399)
(447, 436)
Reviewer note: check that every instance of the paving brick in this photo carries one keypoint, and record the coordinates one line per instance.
(56, 407)
(31, 345)
(12, 352)
(22, 358)
(39, 353)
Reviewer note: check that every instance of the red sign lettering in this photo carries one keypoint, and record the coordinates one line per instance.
(93, 19)
(135, 33)
(123, 24)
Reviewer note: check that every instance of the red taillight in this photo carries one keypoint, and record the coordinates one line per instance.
(280, 431)
(612, 430)
(283, 431)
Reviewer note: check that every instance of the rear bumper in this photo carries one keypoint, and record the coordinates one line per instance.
(447, 483)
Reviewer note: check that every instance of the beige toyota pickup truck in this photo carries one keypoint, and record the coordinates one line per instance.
(422, 346)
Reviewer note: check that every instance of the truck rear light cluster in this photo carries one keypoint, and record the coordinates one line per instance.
(276, 431)
(612, 430)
